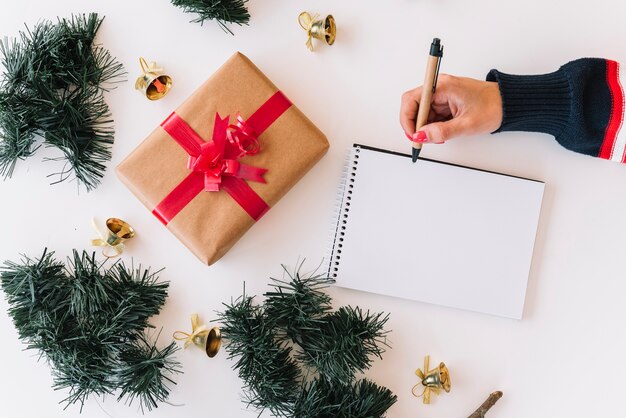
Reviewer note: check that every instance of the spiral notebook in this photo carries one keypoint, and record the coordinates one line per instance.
(434, 232)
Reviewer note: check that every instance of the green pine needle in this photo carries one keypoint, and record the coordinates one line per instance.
(348, 330)
(143, 372)
(362, 398)
(298, 358)
(88, 322)
(223, 11)
(263, 362)
(52, 88)
(298, 304)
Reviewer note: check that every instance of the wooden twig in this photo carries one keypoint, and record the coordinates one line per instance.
(486, 406)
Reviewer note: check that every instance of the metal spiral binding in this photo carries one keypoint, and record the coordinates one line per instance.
(344, 199)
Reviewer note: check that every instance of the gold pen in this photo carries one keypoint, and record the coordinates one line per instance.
(430, 84)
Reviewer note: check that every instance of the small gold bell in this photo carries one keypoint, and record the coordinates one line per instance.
(438, 378)
(325, 30)
(118, 231)
(153, 82)
(208, 340)
(433, 380)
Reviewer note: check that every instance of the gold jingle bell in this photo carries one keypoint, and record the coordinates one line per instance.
(325, 29)
(208, 340)
(153, 82)
(432, 380)
(118, 231)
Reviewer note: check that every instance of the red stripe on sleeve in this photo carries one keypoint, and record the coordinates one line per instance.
(617, 109)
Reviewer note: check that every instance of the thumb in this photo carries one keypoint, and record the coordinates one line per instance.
(440, 132)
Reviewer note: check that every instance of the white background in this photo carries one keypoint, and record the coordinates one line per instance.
(565, 358)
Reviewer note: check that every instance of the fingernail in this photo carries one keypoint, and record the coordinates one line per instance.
(409, 137)
(420, 136)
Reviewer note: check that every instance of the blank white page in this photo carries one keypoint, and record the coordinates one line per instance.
(435, 232)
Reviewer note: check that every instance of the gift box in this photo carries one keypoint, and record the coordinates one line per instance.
(223, 158)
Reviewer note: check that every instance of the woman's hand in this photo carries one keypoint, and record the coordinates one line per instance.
(460, 107)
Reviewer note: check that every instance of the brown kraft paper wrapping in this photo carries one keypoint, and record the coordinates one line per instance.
(213, 222)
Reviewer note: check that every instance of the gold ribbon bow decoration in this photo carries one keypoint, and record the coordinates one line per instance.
(209, 340)
(306, 22)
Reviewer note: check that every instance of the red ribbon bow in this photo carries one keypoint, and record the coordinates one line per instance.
(219, 157)
(215, 164)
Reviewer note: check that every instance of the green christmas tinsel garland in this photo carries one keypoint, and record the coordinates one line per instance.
(52, 88)
(299, 358)
(89, 323)
(222, 11)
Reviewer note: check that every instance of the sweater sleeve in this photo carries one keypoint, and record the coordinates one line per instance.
(581, 105)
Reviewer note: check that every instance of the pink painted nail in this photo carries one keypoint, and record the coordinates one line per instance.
(420, 136)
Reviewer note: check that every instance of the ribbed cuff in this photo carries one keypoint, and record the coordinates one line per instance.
(534, 103)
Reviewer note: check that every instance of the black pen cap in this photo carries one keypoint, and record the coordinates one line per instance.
(436, 49)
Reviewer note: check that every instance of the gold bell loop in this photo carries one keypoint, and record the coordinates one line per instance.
(153, 82)
(432, 380)
(323, 29)
(118, 231)
(113, 251)
(208, 340)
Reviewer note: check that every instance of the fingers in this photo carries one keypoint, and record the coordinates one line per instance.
(408, 109)
(460, 107)
(439, 110)
(440, 132)
(443, 122)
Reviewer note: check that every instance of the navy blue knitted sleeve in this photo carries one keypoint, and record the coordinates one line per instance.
(575, 104)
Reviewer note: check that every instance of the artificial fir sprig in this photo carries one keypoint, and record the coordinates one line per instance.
(52, 88)
(298, 358)
(347, 330)
(89, 323)
(324, 399)
(297, 304)
(223, 11)
(263, 362)
(143, 372)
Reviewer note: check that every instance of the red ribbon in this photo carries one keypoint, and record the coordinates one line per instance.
(215, 164)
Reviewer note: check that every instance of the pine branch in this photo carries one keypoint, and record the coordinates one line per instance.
(52, 87)
(298, 358)
(36, 291)
(323, 399)
(90, 288)
(223, 11)
(348, 330)
(143, 372)
(80, 363)
(262, 362)
(143, 297)
(88, 322)
(297, 304)
(18, 108)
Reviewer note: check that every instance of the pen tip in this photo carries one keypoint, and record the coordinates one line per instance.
(416, 153)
